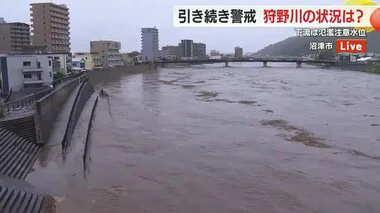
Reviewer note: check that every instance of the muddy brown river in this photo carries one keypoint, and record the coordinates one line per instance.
(226, 140)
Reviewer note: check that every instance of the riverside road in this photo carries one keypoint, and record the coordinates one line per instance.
(210, 138)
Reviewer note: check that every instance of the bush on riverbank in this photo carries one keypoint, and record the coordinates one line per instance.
(376, 69)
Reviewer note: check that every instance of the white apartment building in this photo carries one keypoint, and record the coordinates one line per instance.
(149, 44)
(19, 72)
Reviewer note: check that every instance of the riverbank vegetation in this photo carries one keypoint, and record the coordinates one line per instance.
(375, 69)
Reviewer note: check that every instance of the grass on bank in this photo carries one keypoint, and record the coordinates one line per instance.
(376, 69)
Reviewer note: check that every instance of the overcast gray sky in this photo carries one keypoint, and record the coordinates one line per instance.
(121, 20)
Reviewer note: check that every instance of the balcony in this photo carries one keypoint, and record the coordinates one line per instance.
(31, 69)
(58, 15)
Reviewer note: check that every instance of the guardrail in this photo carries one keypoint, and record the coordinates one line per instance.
(25, 103)
(68, 78)
(8, 96)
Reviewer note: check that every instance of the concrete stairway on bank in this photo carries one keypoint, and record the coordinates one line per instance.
(17, 154)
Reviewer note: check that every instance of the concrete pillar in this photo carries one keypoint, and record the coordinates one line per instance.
(299, 63)
(264, 63)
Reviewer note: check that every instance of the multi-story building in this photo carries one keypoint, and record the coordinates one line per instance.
(51, 27)
(199, 50)
(14, 37)
(19, 72)
(214, 53)
(97, 61)
(187, 49)
(109, 52)
(171, 52)
(238, 52)
(149, 44)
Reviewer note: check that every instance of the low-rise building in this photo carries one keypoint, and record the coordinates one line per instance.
(19, 72)
(78, 65)
(61, 63)
(128, 60)
(171, 52)
(88, 58)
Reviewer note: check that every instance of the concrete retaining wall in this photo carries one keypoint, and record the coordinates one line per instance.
(104, 76)
(23, 126)
(355, 67)
(49, 107)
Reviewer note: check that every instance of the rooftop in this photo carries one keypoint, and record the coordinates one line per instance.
(50, 3)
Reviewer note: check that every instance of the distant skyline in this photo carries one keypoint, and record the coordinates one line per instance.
(122, 21)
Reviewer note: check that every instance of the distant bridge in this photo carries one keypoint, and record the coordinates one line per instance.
(265, 61)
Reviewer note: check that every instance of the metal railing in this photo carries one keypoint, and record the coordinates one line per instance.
(66, 79)
(25, 103)
(8, 96)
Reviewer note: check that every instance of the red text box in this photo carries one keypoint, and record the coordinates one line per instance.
(351, 46)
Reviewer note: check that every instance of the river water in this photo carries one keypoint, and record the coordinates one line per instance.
(234, 139)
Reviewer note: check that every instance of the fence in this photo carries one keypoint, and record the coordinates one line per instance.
(68, 78)
(8, 96)
(24, 103)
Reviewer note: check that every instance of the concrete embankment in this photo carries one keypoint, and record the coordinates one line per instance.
(96, 77)
(49, 107)
(355, 67)
(21, 138)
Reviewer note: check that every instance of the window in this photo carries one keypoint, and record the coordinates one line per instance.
(50, 75)
(26, 64)
(27, 75)
(49, 63)
(38, 64)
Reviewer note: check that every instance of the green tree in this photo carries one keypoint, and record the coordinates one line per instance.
(326, 55)
(376, 69)
(59, 75)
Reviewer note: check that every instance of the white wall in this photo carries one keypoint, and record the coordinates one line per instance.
(16, 75)
(63, 61)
